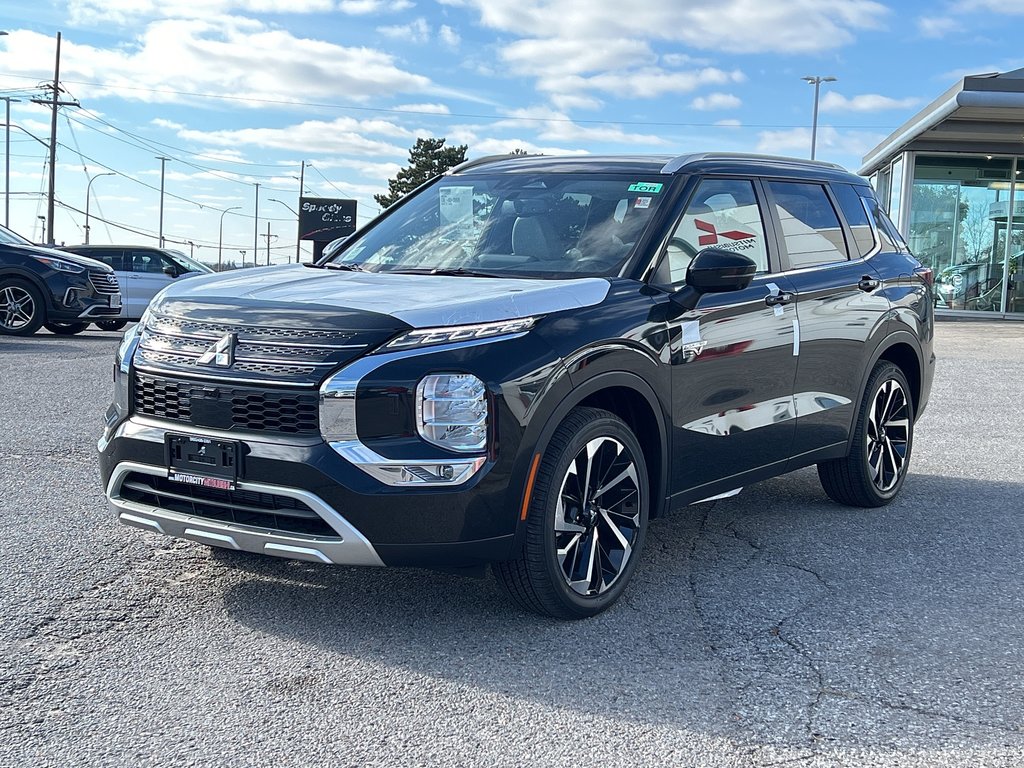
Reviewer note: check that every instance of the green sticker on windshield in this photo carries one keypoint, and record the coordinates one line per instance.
(644, 186)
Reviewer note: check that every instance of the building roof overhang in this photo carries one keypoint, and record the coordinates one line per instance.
(981, 113)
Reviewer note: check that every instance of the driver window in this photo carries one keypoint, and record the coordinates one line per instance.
(723, 213)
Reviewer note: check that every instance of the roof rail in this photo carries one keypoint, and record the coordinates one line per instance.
(479, 161)
(678, 163)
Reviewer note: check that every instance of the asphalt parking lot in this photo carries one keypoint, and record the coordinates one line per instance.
(774, 627)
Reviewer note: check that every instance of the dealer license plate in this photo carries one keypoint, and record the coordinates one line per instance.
(202, 461)
(115, 299)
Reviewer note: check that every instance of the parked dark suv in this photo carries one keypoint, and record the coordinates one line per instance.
(526, 360)
(43, 287)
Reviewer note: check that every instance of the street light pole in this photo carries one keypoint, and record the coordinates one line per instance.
(163, 162)
(256, 226)
(816, 81)
(298, 222)
(297, 233)
(88, 187)
(220, 239)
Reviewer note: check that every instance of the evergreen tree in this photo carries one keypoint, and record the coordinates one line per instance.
(427, 159)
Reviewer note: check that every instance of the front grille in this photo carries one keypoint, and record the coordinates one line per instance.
(260, 510)
(104, 282)
(260, 353)
(227, 407)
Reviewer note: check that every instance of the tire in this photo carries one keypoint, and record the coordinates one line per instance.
(65, 329)
(872, 474)
(556, 573)
(22, 311)
(111, 325)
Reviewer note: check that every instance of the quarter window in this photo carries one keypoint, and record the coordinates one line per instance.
(810, 226)
(723, 213)
(856, 218)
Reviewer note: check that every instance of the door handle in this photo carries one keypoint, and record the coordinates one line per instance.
(779, 299)
(868, 283)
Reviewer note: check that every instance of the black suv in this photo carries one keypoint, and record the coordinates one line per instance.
(524, 362)
(43, 287)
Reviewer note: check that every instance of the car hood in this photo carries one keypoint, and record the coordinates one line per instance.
(419, 301)
(53, 253)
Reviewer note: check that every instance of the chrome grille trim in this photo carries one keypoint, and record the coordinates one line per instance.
(104, 282)
(174, 346)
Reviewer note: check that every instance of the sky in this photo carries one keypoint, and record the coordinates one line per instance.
(237, 93)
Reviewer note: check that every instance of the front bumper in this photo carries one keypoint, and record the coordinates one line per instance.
(376, 524)
(76, 298)
(349, 547)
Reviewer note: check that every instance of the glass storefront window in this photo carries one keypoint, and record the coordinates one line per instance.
(958, 225)
(896, 190)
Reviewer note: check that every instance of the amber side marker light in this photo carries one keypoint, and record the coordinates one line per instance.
(529, 486)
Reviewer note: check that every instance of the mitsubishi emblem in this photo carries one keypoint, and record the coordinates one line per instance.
(221, 353)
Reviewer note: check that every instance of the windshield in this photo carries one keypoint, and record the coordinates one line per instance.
(10, 238)
(516, 225)
(190, 264)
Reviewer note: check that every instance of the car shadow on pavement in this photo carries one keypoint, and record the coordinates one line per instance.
(774, 617)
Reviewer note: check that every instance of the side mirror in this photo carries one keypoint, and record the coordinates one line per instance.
(714, 270)
(171, 271)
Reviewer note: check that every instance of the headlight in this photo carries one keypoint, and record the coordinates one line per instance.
(129, 343)
(427, 336)
(60, 265)
(451, 411)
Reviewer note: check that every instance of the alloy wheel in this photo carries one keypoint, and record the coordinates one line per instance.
(888, 435)
(17, 308)
(597, 516)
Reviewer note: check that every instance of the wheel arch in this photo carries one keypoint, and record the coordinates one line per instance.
(633, 400)
(28, 277)
(902, 350)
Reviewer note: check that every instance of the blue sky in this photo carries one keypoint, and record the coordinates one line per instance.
(238, 92)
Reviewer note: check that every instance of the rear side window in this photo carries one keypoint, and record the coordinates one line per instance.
(856, 216)
(810, 225)
(146, 261)
(112, 258)
(887, 232)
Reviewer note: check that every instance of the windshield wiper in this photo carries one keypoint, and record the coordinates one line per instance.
(345, 267)
(456, 271)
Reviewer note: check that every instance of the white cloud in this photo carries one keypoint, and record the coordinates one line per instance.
(850, 145)
(416, 31)
(343, 135)
(937, 26)
(738, 26)
(430, 109)
(160, 122)
(367, 7)
(228, 56)
(715, 101)
(491, 146)
(556, 126)
(834, 101)
(128, 11)
(448, 36)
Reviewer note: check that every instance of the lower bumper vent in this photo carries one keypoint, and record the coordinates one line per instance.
(252, 508)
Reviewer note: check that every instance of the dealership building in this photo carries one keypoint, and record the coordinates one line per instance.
(948, 177)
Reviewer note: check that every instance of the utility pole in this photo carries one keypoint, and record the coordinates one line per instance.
(7, 163)
(54, 102)
(256, 226)
(163, 162)
(268, 236)
(298, 224)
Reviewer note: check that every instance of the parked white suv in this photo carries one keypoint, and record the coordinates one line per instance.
(142, 272)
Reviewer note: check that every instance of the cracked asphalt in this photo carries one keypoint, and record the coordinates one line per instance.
(771, 628)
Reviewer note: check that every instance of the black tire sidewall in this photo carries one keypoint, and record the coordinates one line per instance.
(882, 374)
(65, 329)
(39, 313)
(542, 512)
